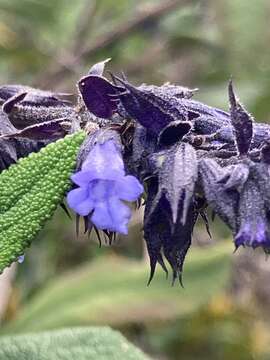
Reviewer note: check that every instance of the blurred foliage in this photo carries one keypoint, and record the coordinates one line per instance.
(197, 321)
(113, 291)
(196, 43)
(80, 343)
(211, 333)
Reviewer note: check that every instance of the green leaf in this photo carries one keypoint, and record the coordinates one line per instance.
(79, 343)
(30, 192)
(113, 291)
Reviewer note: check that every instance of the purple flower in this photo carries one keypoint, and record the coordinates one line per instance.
(20, 259)
(253, 234)
(103, 186)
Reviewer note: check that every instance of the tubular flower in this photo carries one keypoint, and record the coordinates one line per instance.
(252, 211)
(239, 195)
(254, 235)
(102, 188)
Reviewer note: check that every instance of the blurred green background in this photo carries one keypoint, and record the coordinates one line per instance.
(66, 280)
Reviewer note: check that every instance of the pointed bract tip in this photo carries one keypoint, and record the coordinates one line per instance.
(77, 225)
(162, 264)
(98, 68)
(8, 105)
(63, 206)
(180, 277)
(175, 275)
(152, 271)
(232, 97)
(124, 82)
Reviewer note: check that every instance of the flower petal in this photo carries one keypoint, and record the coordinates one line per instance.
(101, 190)
(20, 259)
(103, 185)
(101, 217)
(79, 201)
(243, 237)
(120, 214)
(104, 161)
(128, 188)
(112, 215)
(82, 178)
(261, 236)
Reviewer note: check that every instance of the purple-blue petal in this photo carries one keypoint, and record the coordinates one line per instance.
(261, 236)
(103, 185)
(253, 235)
(20, 259)
(82, 178)
(120, 214)
(243, 237)
(129, 188)
(79, 201)
(112, 215)
(101, 189)
(104, 161)
(101, 216)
